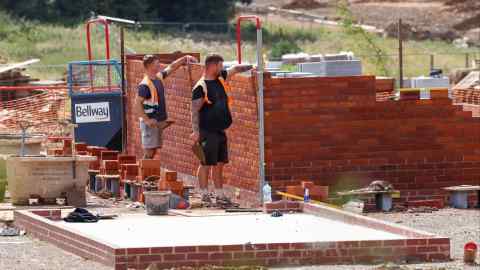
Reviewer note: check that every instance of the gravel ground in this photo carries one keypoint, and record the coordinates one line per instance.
(461, 226)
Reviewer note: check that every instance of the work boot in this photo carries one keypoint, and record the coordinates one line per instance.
(207, 199)
(225, 202)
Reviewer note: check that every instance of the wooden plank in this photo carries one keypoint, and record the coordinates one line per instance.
(19, 65)
(462, 188)
(368, 192)
(298, 198)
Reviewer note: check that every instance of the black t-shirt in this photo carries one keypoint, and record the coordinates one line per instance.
(215, 116)
(144, 91)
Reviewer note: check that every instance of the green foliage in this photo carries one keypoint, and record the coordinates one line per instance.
(283, 47)
(365, 40)
(70, 12)
(272, 35)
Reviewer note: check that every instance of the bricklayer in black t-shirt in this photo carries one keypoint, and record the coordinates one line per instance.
(215, 116)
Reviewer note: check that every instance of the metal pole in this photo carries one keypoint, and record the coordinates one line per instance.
(400, 53)
(467, 60)
(22, 147)
(123, 92)
(239, 45)
(432, 62)
(261, 127)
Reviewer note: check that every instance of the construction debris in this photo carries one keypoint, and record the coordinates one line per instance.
(422, 209)
(11, 74)
(471, 81)
(10, 231)
(304, 4)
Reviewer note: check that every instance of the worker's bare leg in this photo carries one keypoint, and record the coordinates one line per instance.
(148, 153)
(217, 172)
(203, 172)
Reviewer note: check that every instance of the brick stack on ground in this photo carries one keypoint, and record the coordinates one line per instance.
(332, 131)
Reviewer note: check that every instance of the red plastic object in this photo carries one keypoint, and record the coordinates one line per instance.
(470, 246)
(107, 46)
(239, 39)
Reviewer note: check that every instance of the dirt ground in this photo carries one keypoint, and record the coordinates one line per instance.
(435, 16)
(24, 252)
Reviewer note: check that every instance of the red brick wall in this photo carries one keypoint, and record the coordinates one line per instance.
(176, 154)
(333, 132)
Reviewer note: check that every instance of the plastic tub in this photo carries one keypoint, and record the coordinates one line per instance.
(157, 202)
(470, 252)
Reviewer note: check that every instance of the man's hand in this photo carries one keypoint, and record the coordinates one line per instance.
(195, 136)
(150, 122)
(184, 60)
(239, 68)
(242, 68)
(188, 59)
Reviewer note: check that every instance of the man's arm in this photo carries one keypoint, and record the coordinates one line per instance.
(238, 69)
(177, 63)
(197, 103)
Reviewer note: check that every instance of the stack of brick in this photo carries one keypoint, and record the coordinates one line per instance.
(95, 151)
(470, 96)
(332, 131)
(128, 167)
(110, 167)
(129, 172)
(59, 146)
(168, 181)
(148, 167)
(81, 148)
(385, 88)
(109, 164)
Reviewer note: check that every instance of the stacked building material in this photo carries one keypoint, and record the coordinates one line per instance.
(385, 88)
(316, 192)
(12, 75)
(333, 68)
(468, 89)
(168, 181)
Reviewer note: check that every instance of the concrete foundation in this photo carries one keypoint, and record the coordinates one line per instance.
(46, 177)
(319, 235)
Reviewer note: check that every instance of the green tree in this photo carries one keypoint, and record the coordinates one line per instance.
(365, 40)
(74, 11)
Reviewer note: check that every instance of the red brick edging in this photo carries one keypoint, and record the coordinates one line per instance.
(419, 246)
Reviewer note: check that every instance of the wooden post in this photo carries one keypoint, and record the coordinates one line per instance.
(432, 62)
(467, 60)
(400, 53)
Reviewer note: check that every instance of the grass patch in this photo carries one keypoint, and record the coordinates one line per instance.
(58, 45)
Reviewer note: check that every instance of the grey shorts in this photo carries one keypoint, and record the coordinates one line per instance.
(151, 136)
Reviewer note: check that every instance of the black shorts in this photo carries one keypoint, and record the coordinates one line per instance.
(215, 148)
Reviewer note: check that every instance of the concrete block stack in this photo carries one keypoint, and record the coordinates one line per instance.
(332, 68)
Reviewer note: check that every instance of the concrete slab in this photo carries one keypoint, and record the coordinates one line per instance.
(139, 230)
(318, 235)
